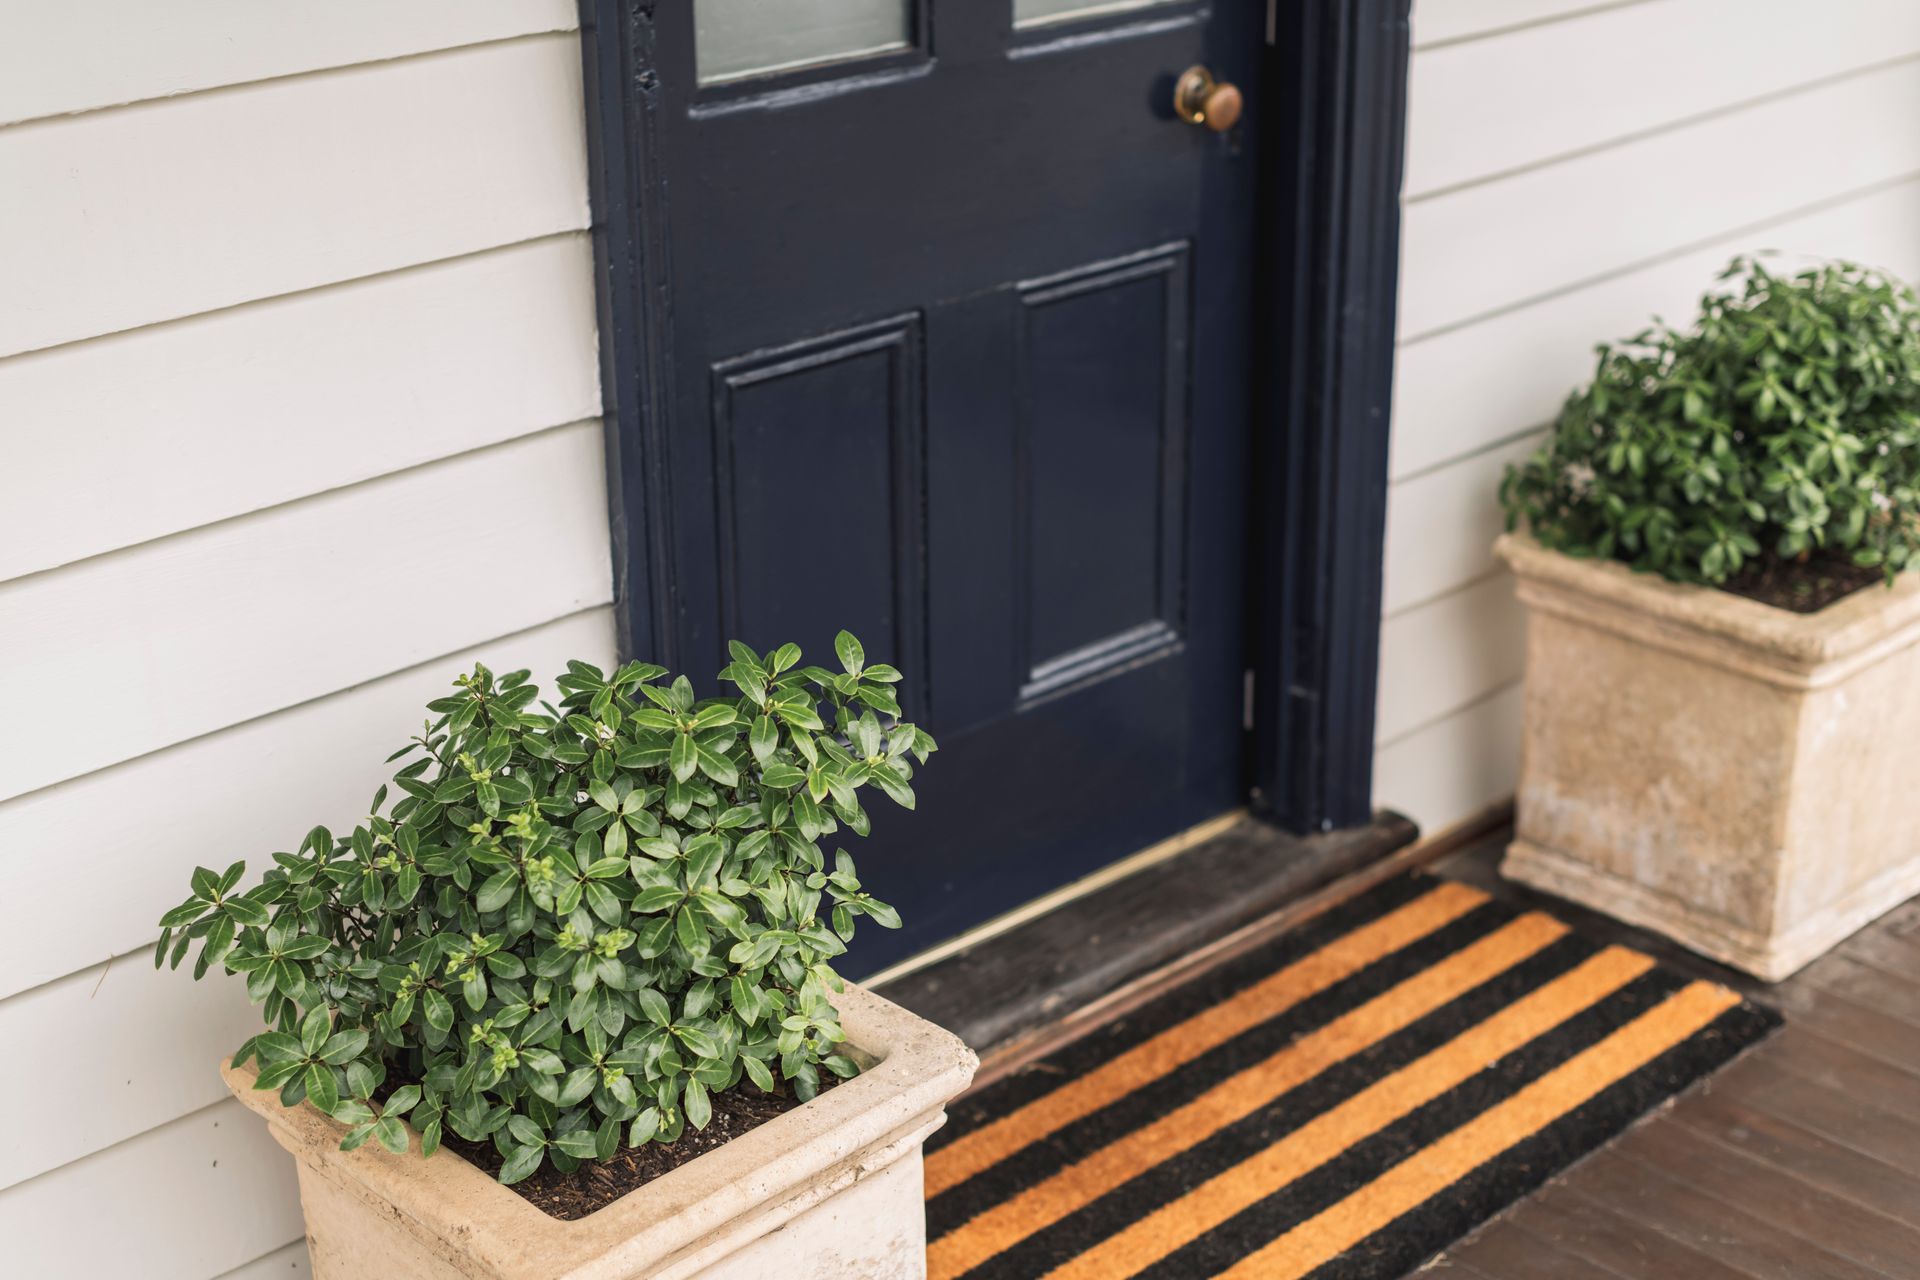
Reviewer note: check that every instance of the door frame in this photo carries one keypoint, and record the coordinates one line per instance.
(1333, 277)
(1328, 281)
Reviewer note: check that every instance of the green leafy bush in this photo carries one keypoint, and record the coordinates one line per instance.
(577, 923)
(1782, 424)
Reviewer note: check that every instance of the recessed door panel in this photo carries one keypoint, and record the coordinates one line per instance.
(819, 475)
(1102, 466)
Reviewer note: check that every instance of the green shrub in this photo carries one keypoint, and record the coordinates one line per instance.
(576, 924)
(1781, 425)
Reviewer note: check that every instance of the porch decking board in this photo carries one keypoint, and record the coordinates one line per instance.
(1856, 1122)
(1812, 1226)
(1517, 1254)
(1875, 988)
(1725, 1233)
(1818, 1161)
(1603, 1236)
(1890, 949)
(1848, 1022)
(1800, 1159)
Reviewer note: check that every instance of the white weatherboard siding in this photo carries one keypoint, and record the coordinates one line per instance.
(81, 54)
(1573, 169)
(298, 399)
(300, 182)
(364, 379)
(246, 617)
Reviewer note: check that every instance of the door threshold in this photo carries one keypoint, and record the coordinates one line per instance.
(1020, 985)
(1094, 881)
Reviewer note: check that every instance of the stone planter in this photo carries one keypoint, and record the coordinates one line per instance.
(830, 1189)
(1729, 774)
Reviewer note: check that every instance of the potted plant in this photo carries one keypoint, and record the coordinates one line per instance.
(587, 944)
(1722, 668)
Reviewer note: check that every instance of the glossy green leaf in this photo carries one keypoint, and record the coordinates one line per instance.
(392, 1133)
(521, 1164)
(322, 1091)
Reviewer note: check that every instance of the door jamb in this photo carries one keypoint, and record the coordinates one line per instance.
(632, 297)
(1337, 80)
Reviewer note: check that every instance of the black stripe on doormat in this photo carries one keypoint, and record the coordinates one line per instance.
(1347, 1101)
(1525, 1167)
(1363, 1163)
(1208, 988)
(1237, 1143)
(1165, 1093)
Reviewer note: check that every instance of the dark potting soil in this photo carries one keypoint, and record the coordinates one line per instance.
(598, 1183)
(1802, 586)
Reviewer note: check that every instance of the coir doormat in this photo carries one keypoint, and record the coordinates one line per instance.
(1344, 1102)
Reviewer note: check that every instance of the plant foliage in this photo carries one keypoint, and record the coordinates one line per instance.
(576, 924)
(1782, 424)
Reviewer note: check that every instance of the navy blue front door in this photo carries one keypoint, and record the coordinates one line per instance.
(955, 355)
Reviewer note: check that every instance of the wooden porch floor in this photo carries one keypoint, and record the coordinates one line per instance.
(1800, 1161)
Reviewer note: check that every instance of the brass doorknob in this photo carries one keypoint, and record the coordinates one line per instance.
(1200, 99)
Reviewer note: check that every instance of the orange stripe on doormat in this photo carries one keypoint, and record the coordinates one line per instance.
(1045, 1203)
(1366, 1113)
(1148, 1061)
(1425, 1174)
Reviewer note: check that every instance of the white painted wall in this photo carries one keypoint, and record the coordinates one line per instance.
(1573, 167)
(298, 389)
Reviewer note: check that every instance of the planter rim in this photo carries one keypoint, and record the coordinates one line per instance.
(1853, 631)
(856, 1128)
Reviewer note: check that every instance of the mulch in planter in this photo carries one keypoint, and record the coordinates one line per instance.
(1803, 587)
(1343, 1102)
(598, 1183)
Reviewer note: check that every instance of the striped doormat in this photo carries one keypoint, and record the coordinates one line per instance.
(1344, 1102)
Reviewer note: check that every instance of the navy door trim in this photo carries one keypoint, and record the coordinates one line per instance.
(630, 287)
(1331, 202)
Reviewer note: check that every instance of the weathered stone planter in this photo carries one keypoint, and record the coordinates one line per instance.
(1735, 776)
(830, 1189)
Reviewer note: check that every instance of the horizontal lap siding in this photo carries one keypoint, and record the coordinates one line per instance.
(256, 405)
(1474, 251)
(1470, 388)
(201, 1194)
(299, 377)
(164, 209)
(1456, 766)
(1442, 524)
(1437, 22)
(1478, 110)
(1571, 174)
(212, 627)
(1438, 655)
(79, 55)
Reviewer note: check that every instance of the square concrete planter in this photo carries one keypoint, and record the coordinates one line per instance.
(830, 1189)
(1735, 776)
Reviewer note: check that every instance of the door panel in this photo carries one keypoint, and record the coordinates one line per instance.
(825, 438)
(959, 351)
(1100, 472)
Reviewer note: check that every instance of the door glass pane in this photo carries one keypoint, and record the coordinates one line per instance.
(1031, 13)
(737, 38)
